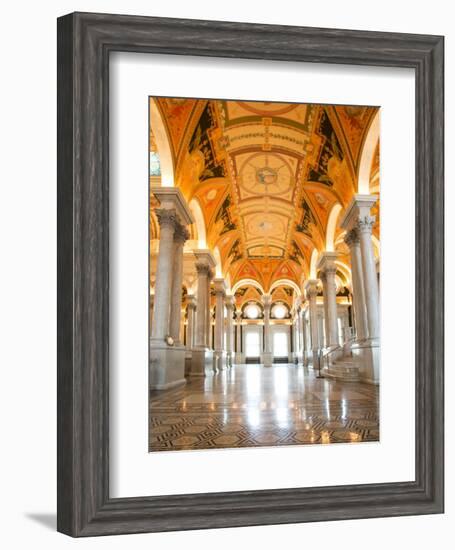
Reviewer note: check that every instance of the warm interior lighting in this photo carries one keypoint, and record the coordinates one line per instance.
(279, 311)
(252, 311)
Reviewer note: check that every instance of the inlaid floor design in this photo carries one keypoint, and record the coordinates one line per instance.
(257, 406)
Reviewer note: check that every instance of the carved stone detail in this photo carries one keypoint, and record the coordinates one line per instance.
(365, 224)
(166, 217)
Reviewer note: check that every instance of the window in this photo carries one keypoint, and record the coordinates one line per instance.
(252, 344)
(280, 344)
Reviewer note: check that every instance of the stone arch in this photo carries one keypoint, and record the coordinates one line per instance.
(163, 145)
(285, 282)
(218, 267)
(367, 156)
(331, 227)
(313, 263)
(247, 282)
(199, 222)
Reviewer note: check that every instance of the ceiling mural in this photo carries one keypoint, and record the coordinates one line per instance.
(266, 176)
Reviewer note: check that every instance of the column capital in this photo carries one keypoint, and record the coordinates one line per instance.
(202, 268)
(171, 198)
(220, 286)
(181, 234)
(326, 262)
(352, 238)
(230, 302)
(266, 300)
(359, 207)
(311, 287)
(166, 217)
(365, 224)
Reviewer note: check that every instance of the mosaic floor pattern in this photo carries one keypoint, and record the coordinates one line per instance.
(256, 406)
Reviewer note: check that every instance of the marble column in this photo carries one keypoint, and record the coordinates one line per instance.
(201, 312)
(358, 293)
(365, 227)
(304, 339)
(238, 353)
(325, 340)
(180, 236)
(327, 266)
(229, 330)
(220, 353)
(191, 301)
(366, 351)
(311, 287)
(267, 357)
(164, 271)
(208, 313)
(167, 357)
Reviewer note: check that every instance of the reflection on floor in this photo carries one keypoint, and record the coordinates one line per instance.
(256, 406)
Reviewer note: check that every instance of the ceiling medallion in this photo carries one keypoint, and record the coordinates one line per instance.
(266, 175)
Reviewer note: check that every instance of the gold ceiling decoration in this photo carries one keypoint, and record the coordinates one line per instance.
(266, 176)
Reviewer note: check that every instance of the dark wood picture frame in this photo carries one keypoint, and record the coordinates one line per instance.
(85, 41)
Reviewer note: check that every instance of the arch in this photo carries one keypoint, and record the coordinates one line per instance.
(199, 221)
(367, 155)
(331, 227)
(313, 263)
(217, 256)
(344, 269)
(247, 282)
(162, 143)
(285, 282)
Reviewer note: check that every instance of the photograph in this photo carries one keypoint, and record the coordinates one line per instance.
(264, 326)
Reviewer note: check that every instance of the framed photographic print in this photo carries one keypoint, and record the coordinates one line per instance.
(250, 251)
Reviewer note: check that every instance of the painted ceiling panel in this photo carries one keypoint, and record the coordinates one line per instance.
(266, 176)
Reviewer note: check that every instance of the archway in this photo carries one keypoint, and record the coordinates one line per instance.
(367, 155)
(159, 131)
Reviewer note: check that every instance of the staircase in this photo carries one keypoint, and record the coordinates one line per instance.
(339, 364)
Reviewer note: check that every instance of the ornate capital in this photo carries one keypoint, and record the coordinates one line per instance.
(181, 234)
(352, 238)
(203, 269)
(166, 217)
(365, 224)
(311, 288)
(312, 291)
(229, 301)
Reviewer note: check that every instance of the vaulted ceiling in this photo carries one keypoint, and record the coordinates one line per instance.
(266, 176)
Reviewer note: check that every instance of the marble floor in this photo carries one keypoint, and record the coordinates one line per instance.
(256, 406)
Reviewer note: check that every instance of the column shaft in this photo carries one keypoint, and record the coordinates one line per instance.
(365, 226)
(219, 322)
(190, 326)
(180, 236)
(332, 306)
(358, 291)
(164, 271)
(201, 311)
(267, 342)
